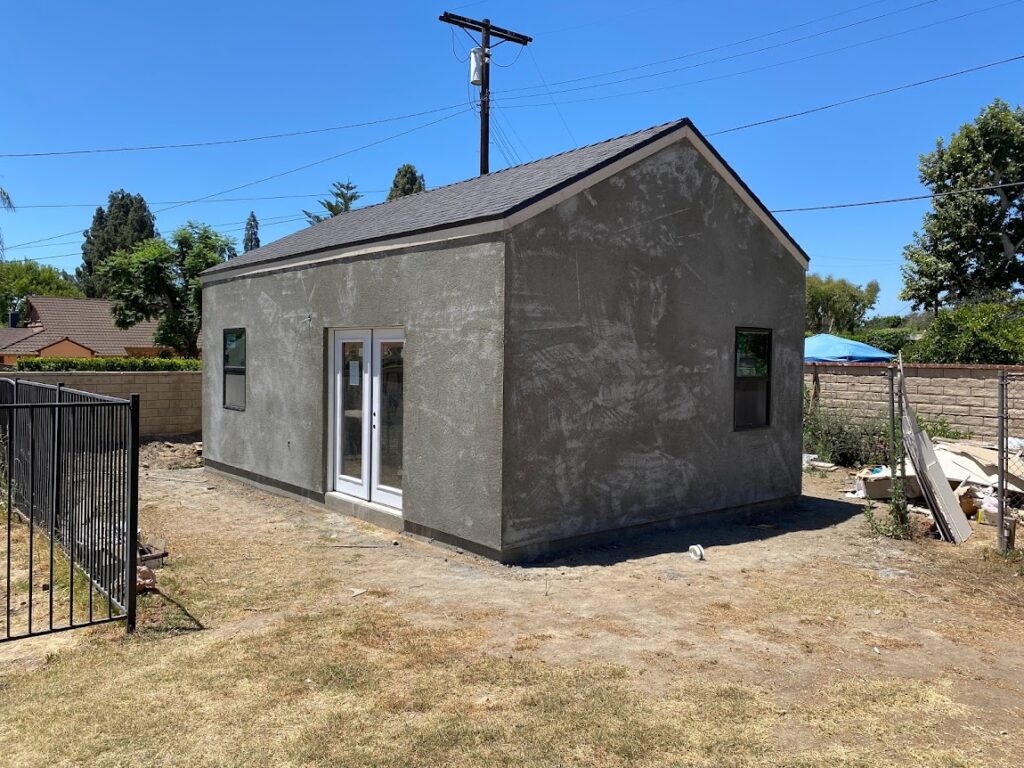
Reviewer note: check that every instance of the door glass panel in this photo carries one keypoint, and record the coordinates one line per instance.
(352, 409)
(390, 414)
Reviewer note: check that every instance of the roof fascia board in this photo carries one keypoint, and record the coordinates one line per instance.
(405, 242)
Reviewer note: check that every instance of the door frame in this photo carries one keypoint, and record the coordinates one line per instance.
(340, 482)
(367, 488)
(383, 494)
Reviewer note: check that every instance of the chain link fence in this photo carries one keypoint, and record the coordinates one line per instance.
(1010, 443)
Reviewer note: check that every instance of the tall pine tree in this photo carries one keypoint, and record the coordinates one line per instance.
(252, 233)
(344, 195)
(407, 182)
(126, 222)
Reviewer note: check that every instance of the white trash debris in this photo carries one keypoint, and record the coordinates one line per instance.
(697, 552)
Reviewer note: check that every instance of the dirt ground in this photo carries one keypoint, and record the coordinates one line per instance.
(284, 634)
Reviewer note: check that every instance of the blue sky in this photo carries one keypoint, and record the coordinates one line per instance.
(87, 75)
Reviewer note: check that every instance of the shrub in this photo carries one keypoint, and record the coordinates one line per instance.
(109, 364)
(893, 340)
(940, 427)
(990, 334)
(883, 321)
(837, 436)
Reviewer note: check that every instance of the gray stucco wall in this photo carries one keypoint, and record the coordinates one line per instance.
(622, 305)
(450, 303)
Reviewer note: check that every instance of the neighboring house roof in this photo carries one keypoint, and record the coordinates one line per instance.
(11, 335)
(484, 198)
(86, 322)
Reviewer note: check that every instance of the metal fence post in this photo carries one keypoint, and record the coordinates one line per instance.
(892, 423)
(1003, 458)
(131, 561)
(54, 488)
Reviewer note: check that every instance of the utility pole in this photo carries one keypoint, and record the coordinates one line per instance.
(487, 31)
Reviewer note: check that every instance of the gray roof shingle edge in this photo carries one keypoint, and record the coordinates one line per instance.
(478, 199)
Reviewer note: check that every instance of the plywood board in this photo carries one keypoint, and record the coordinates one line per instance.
(949, 517)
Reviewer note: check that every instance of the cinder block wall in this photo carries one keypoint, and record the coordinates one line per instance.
(172, 401)
(966, 396)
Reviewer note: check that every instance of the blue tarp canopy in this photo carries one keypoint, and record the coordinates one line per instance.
(825, 348)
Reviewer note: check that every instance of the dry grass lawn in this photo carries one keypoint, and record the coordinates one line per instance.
(286, 635)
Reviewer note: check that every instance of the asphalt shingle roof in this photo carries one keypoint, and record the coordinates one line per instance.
(84, 321)
(478, 199)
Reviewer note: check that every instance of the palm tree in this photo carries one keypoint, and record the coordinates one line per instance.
(7, 205)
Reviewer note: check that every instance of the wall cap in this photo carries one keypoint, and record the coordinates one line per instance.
(927, 366)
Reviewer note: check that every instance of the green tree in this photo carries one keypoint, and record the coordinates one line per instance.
(6, 204)
(990, 334)
(252, 233)
(407, 181)
(971, 243)
(19, 279)
(342, 198)
(159, 280)
(126, 222)
(835, 305)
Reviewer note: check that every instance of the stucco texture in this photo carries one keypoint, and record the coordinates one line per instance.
(449, 303)
(622, 307)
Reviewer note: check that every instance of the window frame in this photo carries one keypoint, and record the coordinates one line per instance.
(767, 379)
(234, 370)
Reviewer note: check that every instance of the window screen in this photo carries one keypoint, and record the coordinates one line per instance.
(752, 391)
(234, 369)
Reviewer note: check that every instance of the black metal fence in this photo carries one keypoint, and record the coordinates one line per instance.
(69, 474)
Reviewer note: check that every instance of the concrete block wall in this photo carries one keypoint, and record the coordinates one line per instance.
(172, 401)
(965, 396)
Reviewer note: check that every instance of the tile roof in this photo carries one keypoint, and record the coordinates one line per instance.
(11, 335)
(478, 199)
(87, 322)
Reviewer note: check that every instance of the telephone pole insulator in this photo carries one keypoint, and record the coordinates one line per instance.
(480, 71)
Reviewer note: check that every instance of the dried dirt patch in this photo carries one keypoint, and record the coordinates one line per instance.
(804, 643)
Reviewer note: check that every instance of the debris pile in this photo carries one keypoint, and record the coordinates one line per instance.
(151, 555)
(957, 479)
(167, 454)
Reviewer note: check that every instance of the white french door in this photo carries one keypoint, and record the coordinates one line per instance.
(368, 402)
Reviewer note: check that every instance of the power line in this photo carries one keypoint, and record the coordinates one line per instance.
(768, 121)
(220, 142)
(843, 102)
(271, 177)
(267, 220)
(554, 103)
(892, 200)
(863, 204)
(724, 46)
(511, 127)
(750, 70)
(236, 229)
(219, 200)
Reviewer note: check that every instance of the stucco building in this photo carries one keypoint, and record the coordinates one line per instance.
(606, 338)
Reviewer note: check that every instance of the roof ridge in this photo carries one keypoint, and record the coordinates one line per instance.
(564, 152)
(69, 298)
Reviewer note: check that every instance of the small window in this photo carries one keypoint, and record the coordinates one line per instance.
(753, 383)
(234, 369)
